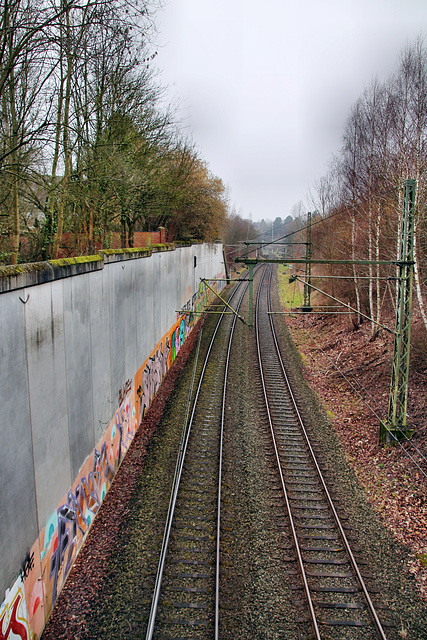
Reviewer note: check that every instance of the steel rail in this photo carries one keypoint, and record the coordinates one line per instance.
(176, 484)
(350, 554)
(218, 530)
(282, 479)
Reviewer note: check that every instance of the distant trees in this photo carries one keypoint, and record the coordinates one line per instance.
(201, 206)
(273, 229)
(384, 143)
(85, 146)
(237, 231)
(270, 236)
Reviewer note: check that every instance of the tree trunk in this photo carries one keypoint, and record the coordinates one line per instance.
(417, 280)
(123, 230)
(355, 278)
(14, 213)
(377, 257)
(371, 269)
(53, 182)
(65, 140)
(131, 233)
(15, 218)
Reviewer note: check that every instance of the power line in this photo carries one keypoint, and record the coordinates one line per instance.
(333, 215)
(343, 375)
(318, 221)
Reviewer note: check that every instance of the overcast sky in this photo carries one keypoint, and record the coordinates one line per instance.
(266, 87)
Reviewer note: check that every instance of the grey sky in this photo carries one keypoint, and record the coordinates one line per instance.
(266, 87)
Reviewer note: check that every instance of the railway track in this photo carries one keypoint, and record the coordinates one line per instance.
(185, 601)
(328, 576)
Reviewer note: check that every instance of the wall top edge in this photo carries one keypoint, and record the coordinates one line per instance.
(20, 276)
(119, 255)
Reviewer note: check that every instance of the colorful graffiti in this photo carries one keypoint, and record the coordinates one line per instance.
(178, 337)
(76, 514)
(13, 615)
(151, 376)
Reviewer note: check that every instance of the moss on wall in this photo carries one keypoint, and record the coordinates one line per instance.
(65, 262)
(18, 269)
(128, 251)
(167, 246)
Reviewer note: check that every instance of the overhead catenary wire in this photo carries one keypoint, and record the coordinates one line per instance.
(323, 219)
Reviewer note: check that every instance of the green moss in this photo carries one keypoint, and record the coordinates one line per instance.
(96, 257)
(17, 269)
(65, 262)
(422, 557)
(186, 243)
(112, 252)
(170, 246)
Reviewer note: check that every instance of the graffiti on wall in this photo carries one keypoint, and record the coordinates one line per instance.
(76, 514)
(27, 565)
(123, 392)
(152, 375)
(13, 614)
(178, 338)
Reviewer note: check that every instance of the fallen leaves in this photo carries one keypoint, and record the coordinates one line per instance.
(351, 375)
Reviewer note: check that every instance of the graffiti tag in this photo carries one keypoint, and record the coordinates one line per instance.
(124, 391)
(152, 376)
(27, 566)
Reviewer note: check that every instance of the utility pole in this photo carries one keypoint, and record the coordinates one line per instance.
(250, 263)
(307, 288)
(394, 427)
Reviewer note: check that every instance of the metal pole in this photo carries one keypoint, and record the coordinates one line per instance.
(251, 295)
(394, 427)
(307, 287)
(222, 299)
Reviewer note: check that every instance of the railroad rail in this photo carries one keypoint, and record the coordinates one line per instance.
(186, 595)
(325, 568)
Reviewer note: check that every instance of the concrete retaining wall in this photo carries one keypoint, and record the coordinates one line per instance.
(85, 344)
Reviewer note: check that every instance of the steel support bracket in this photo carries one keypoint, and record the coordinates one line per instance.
(390, 434)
